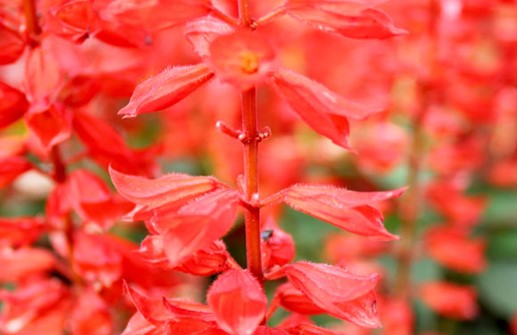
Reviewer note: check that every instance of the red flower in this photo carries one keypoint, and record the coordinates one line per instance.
(450, 300)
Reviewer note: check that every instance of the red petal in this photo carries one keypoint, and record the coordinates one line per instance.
(166, 89)
(152, 309)
(21, 263)
(138, 325)
(43, 75)
(311, 329)
(238, 301)
(12, 44)
(183, 309)
(361, 311)
(345, 209)
(11, 168)
(95, 260)
(166, 189)
(22, 231)
(263, 330)
(349, 18)
(107, 147)
(75, 20)
(156, 15)
(201, 32)
(199, 224)
(12, 104)
(207, 261)
(51, 124)
(243, 58)
(323, 110)
(91, 315)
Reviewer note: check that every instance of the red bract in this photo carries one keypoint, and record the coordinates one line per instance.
(324, 111)
(361, 311)
(197, 224)
(166, 189)
(348, 210)
(336, 291)
(238, 302)
(166, 89)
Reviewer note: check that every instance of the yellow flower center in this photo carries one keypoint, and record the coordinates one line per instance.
(249, 62)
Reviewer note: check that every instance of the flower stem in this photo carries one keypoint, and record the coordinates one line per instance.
(31, 19)
(252, 213)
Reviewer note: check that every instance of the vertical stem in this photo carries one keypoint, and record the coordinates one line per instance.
(252, 214)
(410, 209)
(251, 141)
(31, 19)
(244, 13)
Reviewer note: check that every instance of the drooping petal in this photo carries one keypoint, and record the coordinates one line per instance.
(348, 210)
(166, 88)
(243, 58)
(326, 285)
(198, 224)
(163, 190)
(353, 19)
(323, 110)
(238, 301)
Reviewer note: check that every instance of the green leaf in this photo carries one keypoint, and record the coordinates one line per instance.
(498, 288)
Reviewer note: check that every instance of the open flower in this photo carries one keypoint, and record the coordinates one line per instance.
(246, 59)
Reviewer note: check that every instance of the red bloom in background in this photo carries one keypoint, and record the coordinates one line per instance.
(451, 300)
(452, 248)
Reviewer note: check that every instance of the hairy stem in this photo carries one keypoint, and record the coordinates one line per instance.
(251, 141)
(252, 214)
